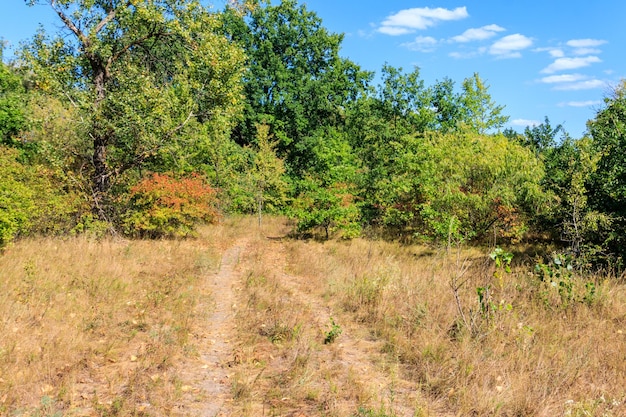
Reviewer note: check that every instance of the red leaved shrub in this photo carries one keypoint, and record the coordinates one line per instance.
(163, 206)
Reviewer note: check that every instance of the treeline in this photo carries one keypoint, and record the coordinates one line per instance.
(144, 118)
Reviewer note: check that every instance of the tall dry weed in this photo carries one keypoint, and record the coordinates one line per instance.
(520, 356)
(97, 326)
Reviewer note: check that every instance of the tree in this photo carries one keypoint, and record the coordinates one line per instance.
(140, 72)
(543, 136)
(403, 100)
(12, 107)
(296, 80)
(479, 112)
(267, 174)
(607, 193)
(446, 104)
(462, 186)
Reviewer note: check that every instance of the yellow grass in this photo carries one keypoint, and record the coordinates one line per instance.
(108, 327)
(96, 327)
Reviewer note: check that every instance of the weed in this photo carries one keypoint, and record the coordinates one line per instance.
(558, 285)
(333, 333)
(369, 412)
(502, 260)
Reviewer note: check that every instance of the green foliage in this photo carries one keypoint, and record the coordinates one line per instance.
(334, 332)
(502, 260)
(479, 112)
(607, 195)
(162, 206)
(31, 199)
(331, 208)
(460, 187)
(542, 137)
(12, 106)
(268, 173)
(297, 82)
(16, 198)
(558, 286)
(142, 75)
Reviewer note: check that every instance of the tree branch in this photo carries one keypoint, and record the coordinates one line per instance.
(110, 16)
(136, 42)
(70, 25)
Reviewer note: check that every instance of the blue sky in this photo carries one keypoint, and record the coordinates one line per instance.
(555, 58)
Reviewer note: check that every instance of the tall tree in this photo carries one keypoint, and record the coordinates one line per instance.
(543, 136)
(296, 82)
(608, 189)
(12, 117)
(446, 104)
(479, 112)
(140, 71)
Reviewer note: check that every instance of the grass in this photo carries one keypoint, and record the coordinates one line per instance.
(524, 356)
(96, 327)
(107, 328)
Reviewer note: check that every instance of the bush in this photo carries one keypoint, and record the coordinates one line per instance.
(33, 199)
(16, 199)
(163, 206)
(332, 209)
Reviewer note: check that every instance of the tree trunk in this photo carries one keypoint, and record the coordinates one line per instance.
(99, 135)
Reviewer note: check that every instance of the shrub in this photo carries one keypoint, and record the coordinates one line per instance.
(331, 209)
(33, 199)
(16, 199)
(163, 206)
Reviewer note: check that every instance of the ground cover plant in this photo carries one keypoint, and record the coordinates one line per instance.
(97, 327)
(339, 328)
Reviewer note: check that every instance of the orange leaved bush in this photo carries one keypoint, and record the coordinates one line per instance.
(163, 206)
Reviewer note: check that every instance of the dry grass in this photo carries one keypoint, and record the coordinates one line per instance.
(107, 327)
(529, 354)
(97, 327)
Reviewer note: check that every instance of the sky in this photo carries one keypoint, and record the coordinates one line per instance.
(554, 58)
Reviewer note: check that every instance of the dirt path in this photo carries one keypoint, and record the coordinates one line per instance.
(210, 395)
(353, 359)
(221, 331)
(353, 353)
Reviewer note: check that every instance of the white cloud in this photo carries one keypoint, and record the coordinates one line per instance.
(572, 82)
(394, 30)
(509, 46)
(554, 52)
(410, 20)
(581, 85)
(586, 51)
(477, 34)
(588, 103)
(561, 64)
(563, 78)
(525, 122)
(585, 43)
(464, 55)
(422, 44)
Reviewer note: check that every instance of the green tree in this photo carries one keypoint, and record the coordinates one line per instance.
(376, 125)
(479, 112)
(12, 106)
(446, 104)
(140, 72)
(267, 174)
(403, 101)
(607, 193)
(544, 136)
(296, 80)
(327, 196)
(462, 186)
